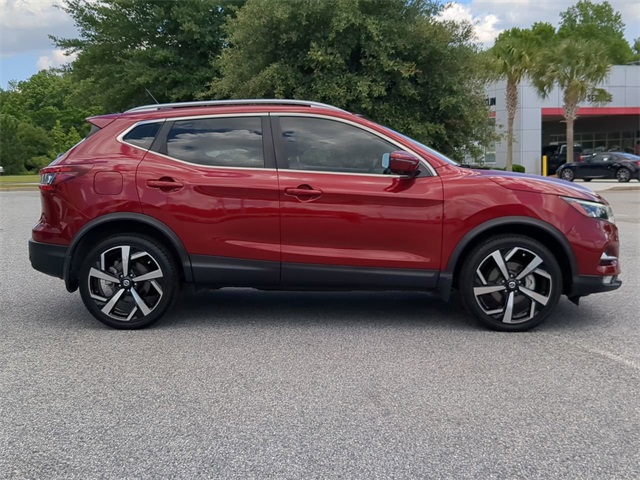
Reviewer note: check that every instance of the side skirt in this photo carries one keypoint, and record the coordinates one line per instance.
(233, 272)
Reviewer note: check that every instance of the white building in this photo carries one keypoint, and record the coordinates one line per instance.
(539, 122)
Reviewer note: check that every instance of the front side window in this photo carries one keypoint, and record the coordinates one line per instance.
(329, 146)
(219, 142)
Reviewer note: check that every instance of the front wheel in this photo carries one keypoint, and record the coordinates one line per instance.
(623, 175)
(128, 281)
(567, 174)
(510, 283)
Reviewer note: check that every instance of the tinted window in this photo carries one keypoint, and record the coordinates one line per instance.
(143, 135)
(330, 146)
(221, 142)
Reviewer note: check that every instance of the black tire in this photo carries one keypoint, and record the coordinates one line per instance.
(130, 303)
(567, 174)
(518, 253)
(587, 179)
(623, 175)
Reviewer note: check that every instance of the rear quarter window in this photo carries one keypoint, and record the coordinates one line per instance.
(143, 135)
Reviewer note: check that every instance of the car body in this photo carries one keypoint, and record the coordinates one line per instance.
(290, 195)
(619, 165)
(557, 156)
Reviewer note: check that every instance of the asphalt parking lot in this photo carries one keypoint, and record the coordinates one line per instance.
(244, 384)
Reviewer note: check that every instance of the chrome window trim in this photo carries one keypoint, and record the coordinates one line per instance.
(431, 170)
(423, 161)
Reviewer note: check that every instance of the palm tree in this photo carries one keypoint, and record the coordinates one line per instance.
(510, 59)
(576, 66)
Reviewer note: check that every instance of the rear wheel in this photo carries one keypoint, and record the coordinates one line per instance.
(567, 174)
(623, 174)
(128, 281)
(510, 283)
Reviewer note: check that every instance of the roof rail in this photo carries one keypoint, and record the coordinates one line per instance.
(219, 103)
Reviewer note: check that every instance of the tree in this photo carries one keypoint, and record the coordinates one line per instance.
(511, 58)
(390, 61)
(45, 98)
(576, 66)
(62, 141)
(636, 49)
(127, 47)
(600, 23)
(20, 142)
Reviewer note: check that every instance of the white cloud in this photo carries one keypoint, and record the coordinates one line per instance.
(490, 17)
(55, 59)
(484, 26)
(26, 24)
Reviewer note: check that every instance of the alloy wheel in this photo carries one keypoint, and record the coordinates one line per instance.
(623, 175)
(512, 285)
(126, 284)
(567, 174)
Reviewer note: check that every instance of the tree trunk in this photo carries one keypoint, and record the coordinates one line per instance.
(512, 105)
(570, 110)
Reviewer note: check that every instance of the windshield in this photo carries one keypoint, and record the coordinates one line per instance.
(424, 147)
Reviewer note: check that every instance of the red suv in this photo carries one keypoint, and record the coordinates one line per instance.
(287, 194)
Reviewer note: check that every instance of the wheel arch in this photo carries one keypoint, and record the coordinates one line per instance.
(115, 223)
(541, 231)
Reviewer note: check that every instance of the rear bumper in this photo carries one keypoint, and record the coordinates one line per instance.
(47, 258)
(584, 285)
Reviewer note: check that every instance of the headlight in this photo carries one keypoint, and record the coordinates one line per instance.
(592, 209)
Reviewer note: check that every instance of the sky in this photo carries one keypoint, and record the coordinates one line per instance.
(25, 47)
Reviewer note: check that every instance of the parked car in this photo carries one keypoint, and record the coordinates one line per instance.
(1, 170)
(557, 156)
(290, 195)
(618, 165)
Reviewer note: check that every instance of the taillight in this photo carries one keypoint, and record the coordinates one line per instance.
(51, 177)
(638, 162)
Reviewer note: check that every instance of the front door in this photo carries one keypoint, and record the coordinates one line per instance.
(345, 221)
(213, 182)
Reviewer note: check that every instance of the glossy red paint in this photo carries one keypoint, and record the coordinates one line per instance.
(309, 217)
(362, 220)
(227, 212)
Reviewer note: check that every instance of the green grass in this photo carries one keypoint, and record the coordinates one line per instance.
(19, 182)
(19, 179)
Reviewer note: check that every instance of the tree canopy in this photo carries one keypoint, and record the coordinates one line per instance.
(41, 117)
(127, 47)
(599, 23)
(391, 61)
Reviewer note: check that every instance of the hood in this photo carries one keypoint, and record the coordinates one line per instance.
(537, 184)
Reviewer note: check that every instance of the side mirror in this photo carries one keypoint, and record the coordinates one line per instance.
(404, 163)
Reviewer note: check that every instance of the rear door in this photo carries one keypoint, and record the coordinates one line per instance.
(212, 180)
(345, 220)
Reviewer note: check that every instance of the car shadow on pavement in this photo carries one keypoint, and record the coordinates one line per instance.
(376, 309)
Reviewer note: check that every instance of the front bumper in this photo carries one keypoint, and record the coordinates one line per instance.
(47, 258)
(584, 285)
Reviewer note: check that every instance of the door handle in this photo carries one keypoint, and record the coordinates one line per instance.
(164, 184)
(303, 191)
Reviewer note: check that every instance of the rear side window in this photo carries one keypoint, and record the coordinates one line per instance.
(143, 135)
(220, 142)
